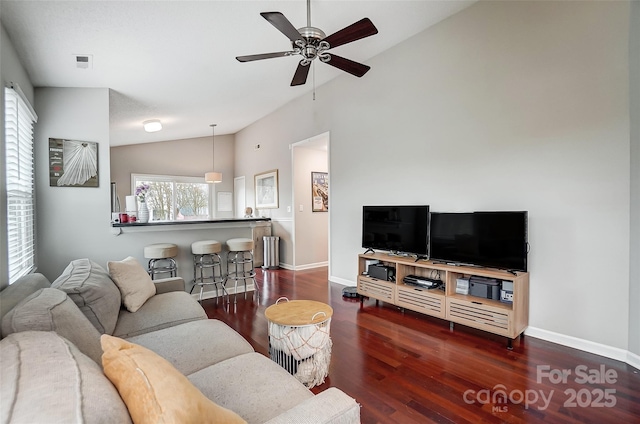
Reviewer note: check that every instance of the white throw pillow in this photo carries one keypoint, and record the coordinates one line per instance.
(133, 281)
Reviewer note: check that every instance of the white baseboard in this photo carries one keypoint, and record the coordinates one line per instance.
(312, 266)
(585, 345)
(342, 281)
(633, 360)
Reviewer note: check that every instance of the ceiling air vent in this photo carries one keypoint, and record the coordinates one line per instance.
(84, 61)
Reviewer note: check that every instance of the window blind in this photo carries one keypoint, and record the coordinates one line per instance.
(19, 120)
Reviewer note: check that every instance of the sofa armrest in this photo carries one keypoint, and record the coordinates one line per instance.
(165, 285)
(331, 406)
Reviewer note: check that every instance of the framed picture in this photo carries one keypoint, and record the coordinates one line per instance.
(320, 192)
(73, 163)
(266, 188)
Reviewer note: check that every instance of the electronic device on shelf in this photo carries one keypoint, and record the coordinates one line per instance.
(402, 229)
(485, 287)
(381, 272)
(488, 239)
(423, 282)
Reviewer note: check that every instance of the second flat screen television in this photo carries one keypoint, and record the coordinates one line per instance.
(398, 229)
(491, 239)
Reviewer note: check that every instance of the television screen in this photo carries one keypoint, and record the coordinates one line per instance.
(400, 229)
(490, 239)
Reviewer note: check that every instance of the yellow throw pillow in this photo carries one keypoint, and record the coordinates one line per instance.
(135, 285)
(153, 390)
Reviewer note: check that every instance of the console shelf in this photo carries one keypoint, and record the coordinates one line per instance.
(505, 319)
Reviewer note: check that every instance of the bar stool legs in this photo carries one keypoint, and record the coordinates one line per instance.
(240, 265)
(206, 257)
(237, 264)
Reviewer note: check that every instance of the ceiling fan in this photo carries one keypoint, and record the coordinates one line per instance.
(310, 43)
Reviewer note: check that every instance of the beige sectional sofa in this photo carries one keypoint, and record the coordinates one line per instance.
(51, 358)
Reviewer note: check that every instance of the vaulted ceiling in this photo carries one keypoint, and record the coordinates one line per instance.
(175, 60)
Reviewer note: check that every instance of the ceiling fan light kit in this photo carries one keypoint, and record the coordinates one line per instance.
(311, 43)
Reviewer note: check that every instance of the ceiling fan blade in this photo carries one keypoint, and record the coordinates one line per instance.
(300, 77)
(282, 24)
(252, 57)
(361, 29)
(354, 68)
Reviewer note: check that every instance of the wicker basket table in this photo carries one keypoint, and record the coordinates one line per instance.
(299, 338)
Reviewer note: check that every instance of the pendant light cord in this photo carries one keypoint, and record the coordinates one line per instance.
(213, 146)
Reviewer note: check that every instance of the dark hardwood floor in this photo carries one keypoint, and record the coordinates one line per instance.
(404, 367)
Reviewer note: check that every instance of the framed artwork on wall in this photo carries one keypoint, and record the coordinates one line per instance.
(266, 189)
(319, 192)
(73, 163)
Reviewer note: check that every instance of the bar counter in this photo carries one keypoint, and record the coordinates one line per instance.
(210, 223)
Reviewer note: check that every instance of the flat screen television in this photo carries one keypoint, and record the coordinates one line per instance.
(489, 239)
(400, 229)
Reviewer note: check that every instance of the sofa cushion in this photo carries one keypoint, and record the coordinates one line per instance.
(133, 281)
(195, 345)
(19, 290)
(252, 385)
(91, 288)
(154, 391)
(45, 378)
(51, 310)
(160, 311)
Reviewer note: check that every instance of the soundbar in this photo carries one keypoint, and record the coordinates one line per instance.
(419, 281)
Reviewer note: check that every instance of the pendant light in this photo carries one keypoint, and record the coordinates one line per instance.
(213, 176)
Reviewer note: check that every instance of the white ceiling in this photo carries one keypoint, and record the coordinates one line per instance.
(175, 60)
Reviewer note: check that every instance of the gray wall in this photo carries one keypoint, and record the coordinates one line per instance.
(11, 70)
(187, 157)
(504, 106)
(75, 222)
(634, 287)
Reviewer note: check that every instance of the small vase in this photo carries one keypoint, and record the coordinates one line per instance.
(143, 213)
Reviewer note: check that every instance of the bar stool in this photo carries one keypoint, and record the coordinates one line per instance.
(161, 260)
(206, 256)
(240, 257)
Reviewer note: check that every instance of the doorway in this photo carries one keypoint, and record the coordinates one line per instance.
(310, 224)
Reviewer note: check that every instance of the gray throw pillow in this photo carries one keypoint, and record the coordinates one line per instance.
(45, 378)
(52, 310)
(91, 288)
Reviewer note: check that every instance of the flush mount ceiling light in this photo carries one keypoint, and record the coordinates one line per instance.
(213, 176)
(152, 125)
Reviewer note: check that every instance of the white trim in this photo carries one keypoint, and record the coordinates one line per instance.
(582, 344)
(342, 281)
(311, 266)
(286, 266)
(282, 219)
(633, 360)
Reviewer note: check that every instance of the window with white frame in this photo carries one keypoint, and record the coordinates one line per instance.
(175, 198)
(19, 120)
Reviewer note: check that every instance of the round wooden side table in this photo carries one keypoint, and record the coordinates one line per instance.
(299, 338)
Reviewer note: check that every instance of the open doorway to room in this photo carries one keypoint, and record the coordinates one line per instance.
(310, 217)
